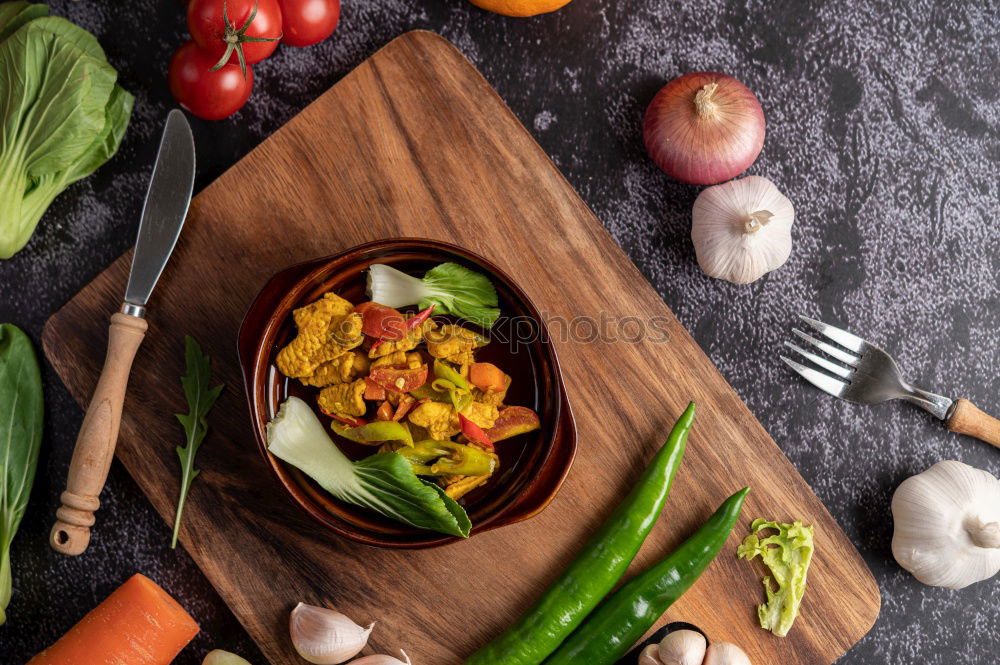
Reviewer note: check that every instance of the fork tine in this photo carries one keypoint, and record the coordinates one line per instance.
(842, 337)
(833, 368)
(824, 382)
(832, 351)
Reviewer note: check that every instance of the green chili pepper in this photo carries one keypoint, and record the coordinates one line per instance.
(456, 397)
(628, 613)
(443, 371)
(382, 430)
(448, 458)
(597, 568)
(427, 391)
(459, 397)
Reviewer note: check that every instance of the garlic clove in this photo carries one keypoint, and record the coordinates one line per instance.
(382, 660)
(325, 637)
(649, 656)
(946, 525)
(724, 653)
(220, 657)
(682, 647)
(742, 229)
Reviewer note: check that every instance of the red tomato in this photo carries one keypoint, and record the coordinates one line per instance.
(210, 31)
(380, 321)
(399, 380)
(207, 94)
(384, 412)
(306, 22)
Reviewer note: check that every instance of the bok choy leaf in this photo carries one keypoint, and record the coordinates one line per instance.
(384, 482)
(454, 289)
(62, 114)
(21, 411)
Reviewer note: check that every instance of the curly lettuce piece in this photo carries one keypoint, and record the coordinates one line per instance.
(787, 554)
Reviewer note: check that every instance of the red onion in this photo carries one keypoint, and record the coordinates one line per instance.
(703, 128)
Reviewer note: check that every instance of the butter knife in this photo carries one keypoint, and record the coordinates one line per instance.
(163, 214)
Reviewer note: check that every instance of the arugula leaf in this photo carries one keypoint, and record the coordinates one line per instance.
(200, 399)
(383, 482)
(21, 413)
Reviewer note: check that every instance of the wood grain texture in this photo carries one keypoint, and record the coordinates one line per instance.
(415, 143)
(970, 419)
(95, 445)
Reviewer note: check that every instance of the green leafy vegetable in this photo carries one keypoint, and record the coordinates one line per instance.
(384, 482)
(200, 399)
(15, 14)
(787, 554)
(454, 289)
(21, 410)
(62, 114)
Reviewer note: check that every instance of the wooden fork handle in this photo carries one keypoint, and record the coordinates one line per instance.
(95, 444)
(967, 418)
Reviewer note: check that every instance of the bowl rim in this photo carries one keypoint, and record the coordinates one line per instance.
(254, 359)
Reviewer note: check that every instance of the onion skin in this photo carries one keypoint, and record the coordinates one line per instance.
(704, 143)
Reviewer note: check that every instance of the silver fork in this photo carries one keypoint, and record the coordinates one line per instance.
(865, 374)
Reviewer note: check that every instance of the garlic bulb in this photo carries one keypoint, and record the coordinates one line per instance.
(649, 655)
(947, 525)
(724, 653)
(220, 657)
(382, 660)
(682, 647)
(325, 637)
(742, 229)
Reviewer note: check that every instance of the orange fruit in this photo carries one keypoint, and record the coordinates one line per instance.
(520, 7)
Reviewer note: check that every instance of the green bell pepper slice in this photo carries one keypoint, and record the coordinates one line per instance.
(446, 458)
(376, 432)
(443, 370)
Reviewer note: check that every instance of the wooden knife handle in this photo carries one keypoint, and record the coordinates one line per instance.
(966, 418)
(95, 444)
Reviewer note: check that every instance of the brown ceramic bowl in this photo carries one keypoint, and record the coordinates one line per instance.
(532, 466)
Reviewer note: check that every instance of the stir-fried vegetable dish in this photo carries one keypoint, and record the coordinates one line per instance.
(409, 384)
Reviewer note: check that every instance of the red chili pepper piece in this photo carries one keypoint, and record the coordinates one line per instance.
(353, 422)
(474, 432)
(419, 318)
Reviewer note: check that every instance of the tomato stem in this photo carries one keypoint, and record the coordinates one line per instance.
(235, 38)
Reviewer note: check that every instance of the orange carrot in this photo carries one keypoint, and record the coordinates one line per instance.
(138, 624)
(487, 377)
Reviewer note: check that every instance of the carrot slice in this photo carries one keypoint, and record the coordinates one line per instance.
(138, 624)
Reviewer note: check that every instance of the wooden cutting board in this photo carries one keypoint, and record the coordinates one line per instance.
(415, 143)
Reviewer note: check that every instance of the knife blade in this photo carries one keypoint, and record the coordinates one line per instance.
(163, 212)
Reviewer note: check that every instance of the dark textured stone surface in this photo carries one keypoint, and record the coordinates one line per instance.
(883, 130)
